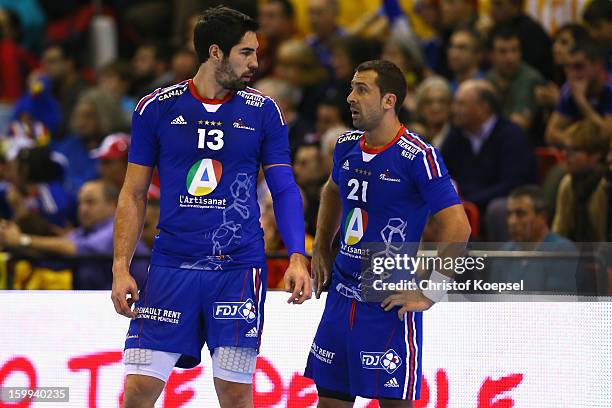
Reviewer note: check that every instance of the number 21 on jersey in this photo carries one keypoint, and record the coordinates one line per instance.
(355, 187)
(213, 139)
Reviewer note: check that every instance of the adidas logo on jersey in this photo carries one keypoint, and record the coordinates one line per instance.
(252, 332)
(392, 383)
(345, 166)
(179, 120)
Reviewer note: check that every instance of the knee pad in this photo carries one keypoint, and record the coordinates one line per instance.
(235, 364)
(153, 363)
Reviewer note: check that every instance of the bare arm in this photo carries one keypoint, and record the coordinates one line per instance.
(454, 231)
(129, 219)
(11, 236)
(556, 125)
(328, 222)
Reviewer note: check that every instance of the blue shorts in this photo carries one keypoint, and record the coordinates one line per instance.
(181, 309)
(361, 350)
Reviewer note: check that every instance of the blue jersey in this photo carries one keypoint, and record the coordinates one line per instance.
(387, 194)
(208, 153)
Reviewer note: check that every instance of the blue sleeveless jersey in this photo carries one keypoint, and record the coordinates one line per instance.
(208, 153)
(387, 195)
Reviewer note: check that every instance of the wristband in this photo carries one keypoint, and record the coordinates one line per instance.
(437, 291)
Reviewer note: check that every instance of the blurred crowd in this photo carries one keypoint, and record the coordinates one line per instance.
(521, 114)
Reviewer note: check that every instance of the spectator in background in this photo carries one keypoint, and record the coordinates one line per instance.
(514, 79)
(36, 186)
(410, 61)
(97, 204)
(455, 14)
(566, 37)
(112, 156)
(17, 63)
(587, 94)
(486, 154)
(149, 63)
(527, 220)
(328, 143)
(535, 42)
(582, 202)
(329, 115)
(433, 108)
(298, 65)
(183, 65)
(323, 18)
(60, 64)
(310, 177)
(115, 78)
(96, 115)
(598, 18)
(276, 25)
(286, 96)
(464, 57)
(346, 53)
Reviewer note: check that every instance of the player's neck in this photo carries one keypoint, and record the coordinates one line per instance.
(207, 85)
(383, 133)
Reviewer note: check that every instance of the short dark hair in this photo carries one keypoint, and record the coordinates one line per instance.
(222, 26)
(286, 6)
(597, 11)
(577, 31)
(535, 193)
(389, 79)
(592, 49)
(504, 31)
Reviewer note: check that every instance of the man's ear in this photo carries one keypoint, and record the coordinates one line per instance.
(215, 53)
(389, 100)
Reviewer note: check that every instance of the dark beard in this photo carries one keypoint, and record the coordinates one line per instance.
(228, 79)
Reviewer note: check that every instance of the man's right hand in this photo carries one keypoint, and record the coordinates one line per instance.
(124, 284)
(321, 269)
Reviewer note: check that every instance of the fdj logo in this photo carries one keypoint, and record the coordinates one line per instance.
(388, 360)
(235, 310)
(355, 226)
(203, 177)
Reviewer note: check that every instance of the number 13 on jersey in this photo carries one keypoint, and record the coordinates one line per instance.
(215, 137)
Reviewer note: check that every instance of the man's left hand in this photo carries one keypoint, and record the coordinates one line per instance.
(297, 279)
(407, 301)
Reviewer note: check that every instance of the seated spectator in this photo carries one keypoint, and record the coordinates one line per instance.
(37, 187)
(310, 178)
(547, 96)
(97, 204)
(61, 65)
(183, 65)
(96, 115)
(485, 154)
(582, 202)
(298, 65)
(407, 56)
(149, 63)
(433, 107)
(328, 144)
(464, 57)
(597, 16)
(535, 42)
(528, 227)
(587, 94)
(112, 156)
(323, 19)
(455, 14)
(286, 96)
(514, 79)
(276, 25)
(329, 115)
(116, 79)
